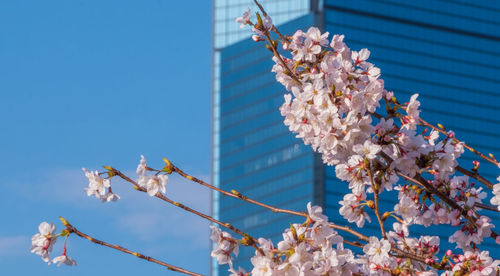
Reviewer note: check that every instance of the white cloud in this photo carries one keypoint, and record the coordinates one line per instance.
(162, 227)
(53, 185)
(12, 246)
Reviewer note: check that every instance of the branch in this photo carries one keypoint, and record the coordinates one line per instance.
(347, 229)
(422, 182)
(491, 160)
(487, 207)
(377, 211)
(475, 176)
(283, 38)
(252, 241)
(72, 229)
(236, 194)
(273, 46)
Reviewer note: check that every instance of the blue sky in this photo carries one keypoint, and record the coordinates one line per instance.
(92, 83)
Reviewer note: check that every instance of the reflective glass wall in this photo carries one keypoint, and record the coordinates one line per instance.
(226, 32)
(258, 156)
(245, 133)
(449, 53)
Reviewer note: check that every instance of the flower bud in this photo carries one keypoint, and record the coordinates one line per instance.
(370, 204)
(385, 216)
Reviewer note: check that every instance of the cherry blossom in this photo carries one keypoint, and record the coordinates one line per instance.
(64, 259)
(99, 187)
(42, 243)
(152, 183)
(495, 200)
(377, 250)
(244, 19)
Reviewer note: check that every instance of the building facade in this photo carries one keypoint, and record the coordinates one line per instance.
(447, 51)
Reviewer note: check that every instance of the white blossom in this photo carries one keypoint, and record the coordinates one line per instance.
(153, 183)
(495, 200)
(98, 186)
(42, 243)
(64, 259)
(377, 250)
(244, 19)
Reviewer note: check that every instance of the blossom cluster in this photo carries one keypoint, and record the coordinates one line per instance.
(152, 183)
(100, 187)
(495, 200)
(314, 248)
(43, 242)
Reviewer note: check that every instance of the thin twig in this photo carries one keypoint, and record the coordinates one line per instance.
(72, 229)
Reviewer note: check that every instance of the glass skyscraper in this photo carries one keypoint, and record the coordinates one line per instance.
(447, 51)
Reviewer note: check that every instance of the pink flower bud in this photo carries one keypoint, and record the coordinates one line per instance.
(257, 38)
(448, 252)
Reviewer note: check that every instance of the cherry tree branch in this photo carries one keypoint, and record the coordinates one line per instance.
(476, 176)
(471, 149)
(282, 37)
(422, 182)
(376, 199)
(419, 180)
(251, 241)
(236, 194)
(72, 229)
(347, 229)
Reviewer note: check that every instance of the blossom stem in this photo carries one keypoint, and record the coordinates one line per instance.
(72, 229)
